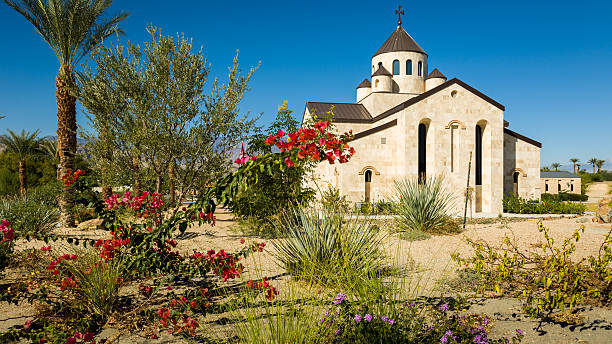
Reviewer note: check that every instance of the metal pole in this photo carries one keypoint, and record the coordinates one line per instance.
(467, 191)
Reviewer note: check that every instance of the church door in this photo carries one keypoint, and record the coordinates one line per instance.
(368, 182)
(515, 181)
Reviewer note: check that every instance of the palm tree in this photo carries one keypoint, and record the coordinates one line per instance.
(593, 161)
(72, 28)
(555, 165)
(574, 161)
(23, 146)
(599, 164)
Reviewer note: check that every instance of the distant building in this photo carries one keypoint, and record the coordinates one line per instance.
(412, 123)
(561, 181)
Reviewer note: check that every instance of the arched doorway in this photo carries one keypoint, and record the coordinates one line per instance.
(515, 183)
(422, 152)
(478, 168)
(368, 182)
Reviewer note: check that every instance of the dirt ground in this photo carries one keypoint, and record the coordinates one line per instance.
(430, 263)
(599, 190)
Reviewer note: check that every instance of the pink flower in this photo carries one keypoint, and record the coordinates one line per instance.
(288, 162)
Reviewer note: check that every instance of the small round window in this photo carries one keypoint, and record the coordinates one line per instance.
(454, 94)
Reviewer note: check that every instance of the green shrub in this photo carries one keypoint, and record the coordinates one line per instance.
(331, 200)
(329, 247)
(564, 196)
(425, 206)
(97, 291)
(546, 279)
(6, 243)
(30, 216)
(356, 322)
(519, 205)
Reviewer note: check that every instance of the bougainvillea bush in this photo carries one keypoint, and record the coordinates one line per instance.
(80, 288)
(7, 234)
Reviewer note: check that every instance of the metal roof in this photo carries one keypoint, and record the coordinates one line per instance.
(558, 174)
(399, 40)
(345, 112)
(435, 74)
(365, 84)
(382, 71)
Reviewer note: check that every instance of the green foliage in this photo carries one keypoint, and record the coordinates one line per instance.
(177, 135)
(97, 292)
(328, 246)
(380, 207)
(71, 28)
(546, 279)
(564, 196)
(357, 322)
(274, 190)
(551, 205)
(38, 171)
(424, 206)
(34, 215)
(331, 200)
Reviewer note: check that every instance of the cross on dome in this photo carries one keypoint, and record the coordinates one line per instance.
(399, 13)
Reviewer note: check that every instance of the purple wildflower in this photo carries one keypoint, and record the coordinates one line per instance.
(448, 333)
(519, 331)
(337, 331)
(444, 307)
(357, 318)
(339, 298)
(368, 317)
(384, 318)
(391, 322)
(444, 339)
(485, 321)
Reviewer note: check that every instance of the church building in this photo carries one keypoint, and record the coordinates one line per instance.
(411, 123)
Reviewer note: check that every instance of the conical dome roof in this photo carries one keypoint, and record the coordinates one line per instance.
(399, 40)
(435, 74)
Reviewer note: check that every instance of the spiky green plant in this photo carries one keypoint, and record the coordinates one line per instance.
(423, 206)
(329, 246)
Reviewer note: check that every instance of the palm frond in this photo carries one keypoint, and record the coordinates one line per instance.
(72, 28)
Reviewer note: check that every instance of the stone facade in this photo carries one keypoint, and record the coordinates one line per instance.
(555, 182)
(451, 116)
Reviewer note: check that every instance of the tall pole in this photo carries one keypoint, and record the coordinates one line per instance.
(467, 191)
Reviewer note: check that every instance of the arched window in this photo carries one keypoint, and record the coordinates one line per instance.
(379, 64)
(420, 68)
(478, 155)
(368, 176)
(376, 83)
(571, 187)
(408, 67)
(422, 152)
(395, 67)
(453, 144)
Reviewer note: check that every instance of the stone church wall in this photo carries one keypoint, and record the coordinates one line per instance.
(524, 158)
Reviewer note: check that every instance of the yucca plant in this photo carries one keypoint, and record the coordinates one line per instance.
(98, 283)
(423, 206)
(329, 246)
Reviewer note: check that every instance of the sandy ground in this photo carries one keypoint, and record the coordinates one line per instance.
(430, 263)
(597, 191)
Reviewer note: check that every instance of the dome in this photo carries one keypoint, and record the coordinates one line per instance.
(399, 40)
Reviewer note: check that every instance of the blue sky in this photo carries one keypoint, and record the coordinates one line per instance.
(548, 62)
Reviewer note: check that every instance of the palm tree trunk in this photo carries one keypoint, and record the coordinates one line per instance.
(171, 183)
(593, 168)
(66, 140)
(22, 178)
